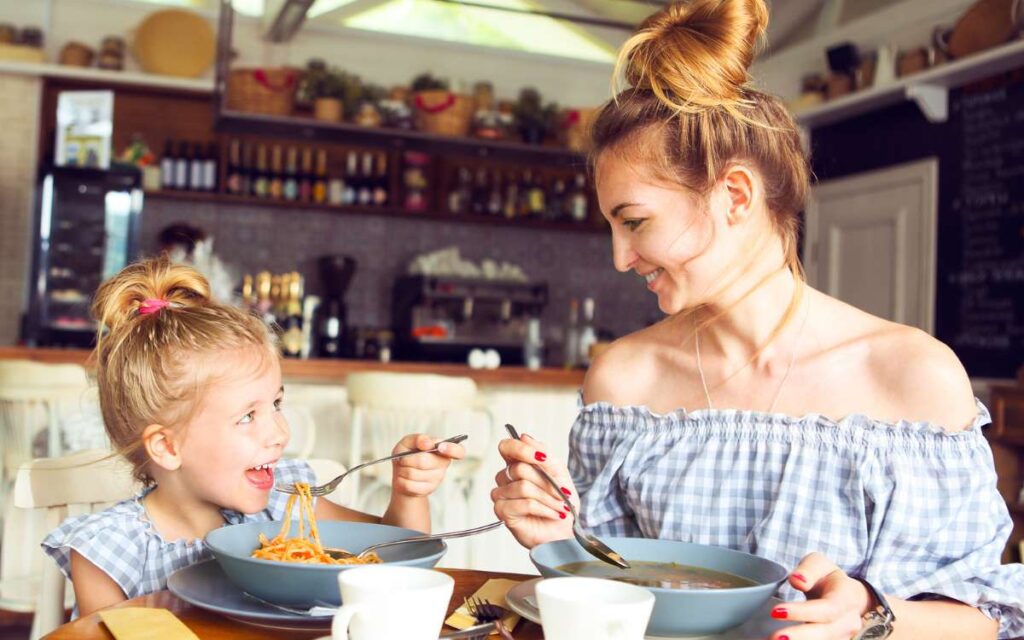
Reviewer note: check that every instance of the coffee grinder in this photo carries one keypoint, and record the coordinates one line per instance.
(336, 272)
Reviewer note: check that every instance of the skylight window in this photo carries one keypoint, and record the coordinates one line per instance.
(483, 27)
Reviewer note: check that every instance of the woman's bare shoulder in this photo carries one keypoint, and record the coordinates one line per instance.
(921, 377)
(627, 371)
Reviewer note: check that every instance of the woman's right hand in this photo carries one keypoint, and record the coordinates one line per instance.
(524, 501)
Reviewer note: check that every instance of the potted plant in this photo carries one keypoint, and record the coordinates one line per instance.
(333, 92)
(533, 119)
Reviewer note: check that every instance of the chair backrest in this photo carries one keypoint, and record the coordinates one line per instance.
(46, 491)
(302, 428)
(33, 395)
(387, 406)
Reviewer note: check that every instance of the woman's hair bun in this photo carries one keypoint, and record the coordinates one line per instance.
(118, 300)
(694, 54)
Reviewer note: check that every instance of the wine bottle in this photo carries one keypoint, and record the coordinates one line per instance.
(320, 180)
(291, 177)
(196, 174)
(365, 191)
(380, 181)
(351, 179)
(181, 166)
(234, 175)
(276, 186)
(167, 164)
(210, 163)
(306, 176)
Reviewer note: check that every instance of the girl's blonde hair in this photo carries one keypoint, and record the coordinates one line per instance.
(150, 365)
(690, 110)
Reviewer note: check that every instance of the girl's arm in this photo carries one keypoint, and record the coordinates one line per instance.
(404, 511)
(94, 589)
(327, 510)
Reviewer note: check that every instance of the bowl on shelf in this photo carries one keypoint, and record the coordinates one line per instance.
(303, 585)
(686, 611)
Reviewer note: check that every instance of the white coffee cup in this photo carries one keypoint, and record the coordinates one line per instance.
(391, 603)
(593, 608)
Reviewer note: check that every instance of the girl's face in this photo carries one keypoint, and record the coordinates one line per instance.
(237, 434)
(677, 244)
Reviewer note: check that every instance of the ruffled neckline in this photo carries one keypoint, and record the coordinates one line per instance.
(749, 417)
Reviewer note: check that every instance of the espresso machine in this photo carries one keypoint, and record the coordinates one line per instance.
(442, 318)
(332, 331)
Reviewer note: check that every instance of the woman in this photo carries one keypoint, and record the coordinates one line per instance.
(763, 415)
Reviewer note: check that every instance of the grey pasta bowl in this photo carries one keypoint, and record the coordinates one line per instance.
(681, 612)
(303, 585)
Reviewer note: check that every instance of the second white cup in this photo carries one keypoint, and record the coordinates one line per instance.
(593, 608)
(391, 603)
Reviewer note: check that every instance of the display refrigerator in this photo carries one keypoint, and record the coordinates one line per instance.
(87, 229)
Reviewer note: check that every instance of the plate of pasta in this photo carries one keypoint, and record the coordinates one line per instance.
(287, 562)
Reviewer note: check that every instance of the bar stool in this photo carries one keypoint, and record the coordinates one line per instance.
(386, 407)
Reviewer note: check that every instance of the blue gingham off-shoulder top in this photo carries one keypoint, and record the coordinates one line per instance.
(122, 542)
(908, 506)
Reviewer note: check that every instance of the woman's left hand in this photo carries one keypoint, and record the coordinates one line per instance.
(418, 476)
(834, 606)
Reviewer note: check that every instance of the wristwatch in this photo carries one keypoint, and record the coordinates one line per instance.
(878, 621)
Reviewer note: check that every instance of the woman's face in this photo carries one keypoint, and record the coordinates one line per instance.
(679, 245)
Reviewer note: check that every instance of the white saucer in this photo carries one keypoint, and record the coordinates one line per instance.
(522, 599)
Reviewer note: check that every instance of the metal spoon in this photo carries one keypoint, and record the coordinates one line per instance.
(589, 542)
(341, 554)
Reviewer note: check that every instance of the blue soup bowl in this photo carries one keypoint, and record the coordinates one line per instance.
(304, 585)
(682, 612)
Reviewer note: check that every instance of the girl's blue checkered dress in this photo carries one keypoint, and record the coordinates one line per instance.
(908, 506)
(122, 542)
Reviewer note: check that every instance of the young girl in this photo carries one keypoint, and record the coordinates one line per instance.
(191, 395)
(763, 415)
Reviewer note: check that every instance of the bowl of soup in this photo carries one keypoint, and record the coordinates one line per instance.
(302, 584)
(698, 589)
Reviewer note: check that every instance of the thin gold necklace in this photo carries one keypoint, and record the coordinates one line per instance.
(785, 376)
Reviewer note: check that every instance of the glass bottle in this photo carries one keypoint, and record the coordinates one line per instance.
(588, 335)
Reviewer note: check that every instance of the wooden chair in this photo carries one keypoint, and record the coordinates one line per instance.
(46, 491)
(33, 396)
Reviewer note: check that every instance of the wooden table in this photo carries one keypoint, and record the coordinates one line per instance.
(211, 626)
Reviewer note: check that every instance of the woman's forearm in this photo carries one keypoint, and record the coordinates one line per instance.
(940, 620)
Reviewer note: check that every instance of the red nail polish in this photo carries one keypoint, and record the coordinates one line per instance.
(780, 613)
(800, 578)
(566, 507)
(566, 491)
(561, 514)
(783, 637)
(540, 457)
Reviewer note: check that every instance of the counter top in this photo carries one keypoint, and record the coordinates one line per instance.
(337, 370)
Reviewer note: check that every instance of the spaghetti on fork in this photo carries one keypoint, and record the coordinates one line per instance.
(306, 549)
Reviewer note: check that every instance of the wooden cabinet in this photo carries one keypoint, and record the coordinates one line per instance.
(1007, 437)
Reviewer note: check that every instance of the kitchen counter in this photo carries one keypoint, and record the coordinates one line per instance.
(335, 371)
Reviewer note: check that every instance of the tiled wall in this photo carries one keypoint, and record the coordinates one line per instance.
(19, 109)
(255, 238)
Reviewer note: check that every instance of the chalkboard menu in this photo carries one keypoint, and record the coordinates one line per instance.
(980, 311)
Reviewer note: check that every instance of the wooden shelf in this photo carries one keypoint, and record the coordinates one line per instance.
(224, 198)
(134, 78)
(310, 130)
(928, 88)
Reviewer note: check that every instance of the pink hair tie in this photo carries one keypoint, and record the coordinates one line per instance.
(152, 305)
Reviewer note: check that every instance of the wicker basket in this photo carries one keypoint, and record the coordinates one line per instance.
(443, 112)
(577, 128)
(270, 90)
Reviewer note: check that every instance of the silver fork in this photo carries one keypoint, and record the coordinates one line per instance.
(589, 542)
(484, 611)
(328, 487)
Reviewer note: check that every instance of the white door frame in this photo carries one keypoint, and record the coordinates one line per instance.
(926, 172)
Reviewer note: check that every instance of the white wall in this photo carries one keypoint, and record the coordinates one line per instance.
(381, 58)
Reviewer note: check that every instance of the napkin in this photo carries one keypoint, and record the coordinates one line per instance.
(144, 623)
(493, 591)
